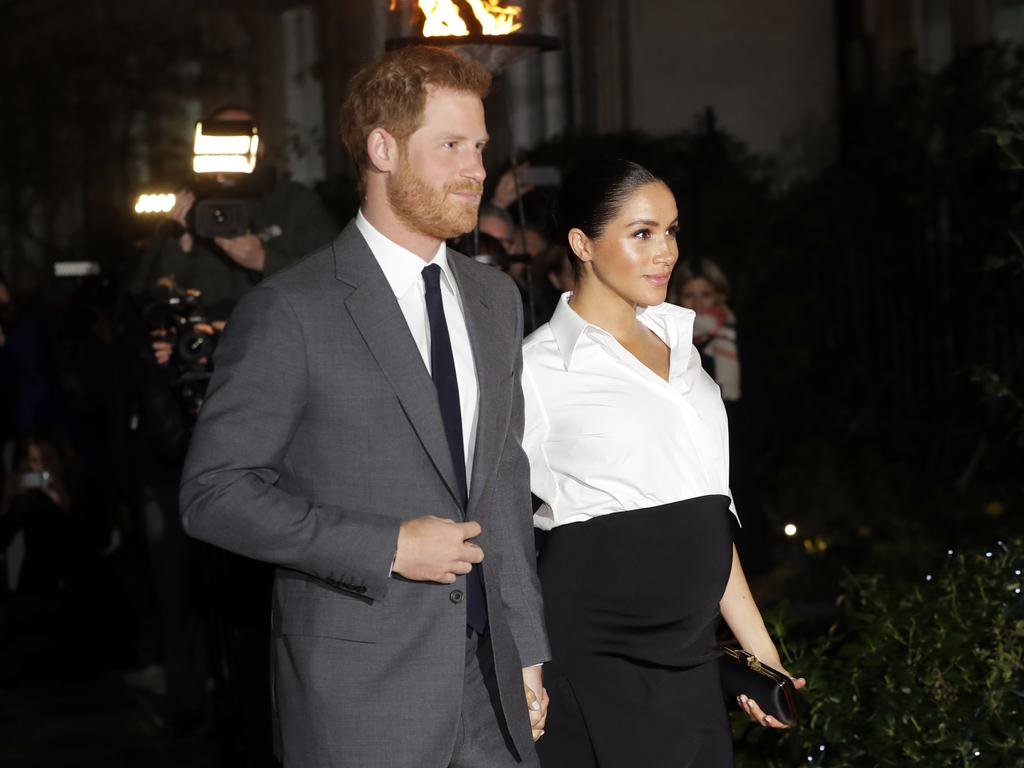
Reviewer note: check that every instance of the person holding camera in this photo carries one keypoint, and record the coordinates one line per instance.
(168, 384)
(59, 588)
(286, 220)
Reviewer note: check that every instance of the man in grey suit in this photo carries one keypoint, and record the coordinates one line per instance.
(362, 433)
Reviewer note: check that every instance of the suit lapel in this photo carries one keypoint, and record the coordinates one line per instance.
(379, 320)
(487, 358)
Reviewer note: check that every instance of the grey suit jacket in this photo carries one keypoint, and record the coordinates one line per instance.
(321, 433)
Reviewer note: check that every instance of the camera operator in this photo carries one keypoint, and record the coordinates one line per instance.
(286, 221)
(171, 368)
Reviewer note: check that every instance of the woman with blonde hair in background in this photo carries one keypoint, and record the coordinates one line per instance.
(701, 285)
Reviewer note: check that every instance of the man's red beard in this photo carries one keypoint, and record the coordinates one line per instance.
(433, 211)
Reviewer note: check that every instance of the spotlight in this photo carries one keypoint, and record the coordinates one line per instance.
(150, 202)
(790, 529)
(225, 146)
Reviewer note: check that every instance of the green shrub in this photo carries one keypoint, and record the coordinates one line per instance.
(929, 672)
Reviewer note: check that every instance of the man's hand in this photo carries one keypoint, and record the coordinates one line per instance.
(246, 250)
(162, 348)
(435, 549)
(536, 699)
(184, 199)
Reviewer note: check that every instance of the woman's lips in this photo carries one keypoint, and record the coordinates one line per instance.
(658, 279)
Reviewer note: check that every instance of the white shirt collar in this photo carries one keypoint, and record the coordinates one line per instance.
(402, 267)
(667, 320)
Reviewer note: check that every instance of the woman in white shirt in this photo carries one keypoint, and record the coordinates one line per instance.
(628, 446)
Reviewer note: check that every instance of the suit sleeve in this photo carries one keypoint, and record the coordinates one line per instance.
(229, 493)
(520, 586)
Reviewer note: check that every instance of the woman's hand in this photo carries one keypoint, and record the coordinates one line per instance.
(750, 706)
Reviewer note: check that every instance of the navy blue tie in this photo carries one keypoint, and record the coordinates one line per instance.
(442, 370)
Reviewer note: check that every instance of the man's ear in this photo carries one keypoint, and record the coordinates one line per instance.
(382, 149)
(580, 244)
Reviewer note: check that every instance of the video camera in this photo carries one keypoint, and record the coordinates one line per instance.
(224, 161)
(193, 338)
(225, 180)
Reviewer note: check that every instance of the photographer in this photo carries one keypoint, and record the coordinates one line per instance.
(168, 383)
(63, 619)
(285, 221)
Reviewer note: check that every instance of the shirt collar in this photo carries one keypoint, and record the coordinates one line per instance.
(567, 327)
(673, 324)
(402, 267)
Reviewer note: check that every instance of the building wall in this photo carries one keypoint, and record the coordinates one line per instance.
(767, 69)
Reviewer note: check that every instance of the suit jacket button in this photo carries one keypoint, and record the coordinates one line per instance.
(457, 596)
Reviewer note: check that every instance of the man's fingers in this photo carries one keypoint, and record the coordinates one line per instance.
(461, 567)
(538, 713)
(544, 702)
(531, 699)
(471, 553)
(470, 530)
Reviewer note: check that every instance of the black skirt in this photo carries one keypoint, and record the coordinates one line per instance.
(631, 602)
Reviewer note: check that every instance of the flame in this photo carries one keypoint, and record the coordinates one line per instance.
(443, 19)
(495, 19)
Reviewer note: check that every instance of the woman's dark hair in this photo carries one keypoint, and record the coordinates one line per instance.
(593, 194)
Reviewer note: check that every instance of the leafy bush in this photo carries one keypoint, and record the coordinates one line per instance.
(928, 672)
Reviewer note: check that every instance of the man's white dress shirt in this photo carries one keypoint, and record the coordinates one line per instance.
(404, 272)
(606, 434)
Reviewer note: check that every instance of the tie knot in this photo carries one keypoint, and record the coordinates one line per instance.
(432, 277)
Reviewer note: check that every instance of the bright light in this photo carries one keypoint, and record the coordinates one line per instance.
(154, 203)
(495, 19)
(76, 268)
(224, 154)
(222, 164)
(220, 145)
(442, 18)
(790, 529)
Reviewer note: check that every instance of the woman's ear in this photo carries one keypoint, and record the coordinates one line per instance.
(382, 149)
(580, 244)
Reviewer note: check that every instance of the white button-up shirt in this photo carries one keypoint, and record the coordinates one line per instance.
(606, 434)
(404, 272)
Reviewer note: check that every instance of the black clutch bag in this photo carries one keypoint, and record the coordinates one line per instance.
(773, 691)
